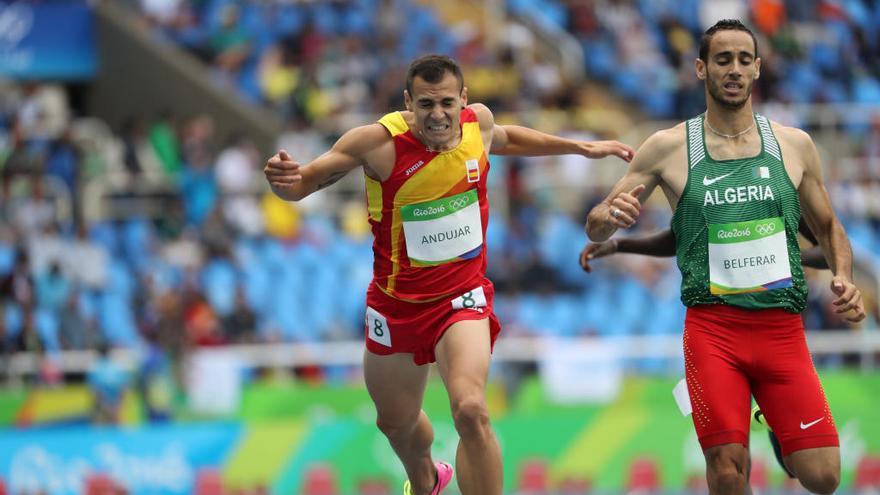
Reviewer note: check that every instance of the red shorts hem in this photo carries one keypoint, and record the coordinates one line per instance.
(424, 356)
(724, 437)
(416, 328)
(804, 443)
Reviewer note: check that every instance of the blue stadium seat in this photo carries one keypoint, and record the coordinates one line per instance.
(120, 280)
(359, 21)
(249, 82)
(116, 319)
(13, 319)
(219, 283)
(257, 282)
(105, 234)
(46, 323)
(289, 19)
(600, 57)
(325, 19)
(866, 90)
(137, 236)
(87, 304)
(7, 258)
(566, 316)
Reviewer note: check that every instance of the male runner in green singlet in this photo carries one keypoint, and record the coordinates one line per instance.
(737, 183)
(662, 244)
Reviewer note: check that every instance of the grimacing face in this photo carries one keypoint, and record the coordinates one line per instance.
(436, 107)
(731, 68)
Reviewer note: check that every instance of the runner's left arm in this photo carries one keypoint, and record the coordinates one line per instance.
(817, 211)
(524, 141)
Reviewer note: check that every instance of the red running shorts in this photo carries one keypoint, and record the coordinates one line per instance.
(732, 354)
(394, 326)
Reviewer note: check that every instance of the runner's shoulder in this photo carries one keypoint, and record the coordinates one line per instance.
(791, 135)
(663, 143)
(795, 142)
(484, 115)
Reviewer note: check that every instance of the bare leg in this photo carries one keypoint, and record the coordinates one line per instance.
(397, 386)
(817, 469)
(727, 468)
(748, 489)
(463, 360)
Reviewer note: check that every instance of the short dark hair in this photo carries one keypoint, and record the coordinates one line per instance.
(432, 68)
(724, 25)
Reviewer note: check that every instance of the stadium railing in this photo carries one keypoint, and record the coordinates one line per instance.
(865, 344)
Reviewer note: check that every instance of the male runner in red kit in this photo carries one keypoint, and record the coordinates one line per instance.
(426, 171)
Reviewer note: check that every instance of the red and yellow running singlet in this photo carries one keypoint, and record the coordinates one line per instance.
(429, 217)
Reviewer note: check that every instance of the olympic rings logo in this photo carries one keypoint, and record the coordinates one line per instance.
(459, 203)
(765, 228)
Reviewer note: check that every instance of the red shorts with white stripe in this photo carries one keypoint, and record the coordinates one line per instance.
(732, 354)
(394, 326)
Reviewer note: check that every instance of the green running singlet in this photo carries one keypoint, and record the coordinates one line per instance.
(736, 228)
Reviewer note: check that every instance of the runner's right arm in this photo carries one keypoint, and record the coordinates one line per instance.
(293, 182)
(640, 180)
(660, 244)
(814, 258)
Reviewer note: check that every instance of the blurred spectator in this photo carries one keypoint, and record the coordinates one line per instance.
(86, 261)
(17, 287)
(52, 288)
(132, 134)
(240, 326)
(163, 137)
(237, 166)
(201, 324)
(31, 213)
(871, 148)
(217, 237)
(63, 163)
(229, 43)
(167, 332)
(155, 384)
(76, 332)
(46, 248)
(19, 157)
(198, 188)
(163, 12)
(43, 112)
(236, 172)
(108, 382)
(280, 74)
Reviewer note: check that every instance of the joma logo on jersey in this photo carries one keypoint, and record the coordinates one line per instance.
(741, 194)
(414, 167)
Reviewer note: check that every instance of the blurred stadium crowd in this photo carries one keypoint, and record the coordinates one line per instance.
(227, 262)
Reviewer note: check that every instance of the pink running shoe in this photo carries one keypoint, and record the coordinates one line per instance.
(444, 476)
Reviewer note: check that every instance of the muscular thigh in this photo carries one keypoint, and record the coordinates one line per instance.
(463, 356)
(788, 390)
(717, 384)
(395, 384)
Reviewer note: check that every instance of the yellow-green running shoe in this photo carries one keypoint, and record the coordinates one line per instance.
(761, 422)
